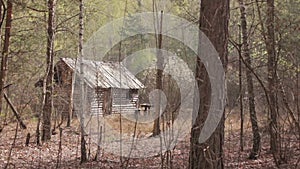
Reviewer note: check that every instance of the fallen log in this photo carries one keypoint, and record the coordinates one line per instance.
(23, 126)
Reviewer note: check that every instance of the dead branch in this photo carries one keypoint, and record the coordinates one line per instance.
(16, 113)
(286, 104)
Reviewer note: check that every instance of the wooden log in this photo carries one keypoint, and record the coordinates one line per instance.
(16, 113)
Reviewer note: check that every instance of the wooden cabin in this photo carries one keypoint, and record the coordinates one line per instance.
(109, 87)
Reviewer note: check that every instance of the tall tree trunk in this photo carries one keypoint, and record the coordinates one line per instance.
(1, 22)
(214, 16)
(1, 15)
(83, 157)
(272, 82)
(159, 74)
(269, 38)
(48, 81)
(5, 51)
(241, 94)
(256, 136)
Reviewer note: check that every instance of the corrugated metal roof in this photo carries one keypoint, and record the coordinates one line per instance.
(106, 74)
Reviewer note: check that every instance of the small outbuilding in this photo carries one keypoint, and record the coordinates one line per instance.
(109, 87)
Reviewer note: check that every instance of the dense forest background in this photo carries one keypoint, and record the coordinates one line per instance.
(260, 55)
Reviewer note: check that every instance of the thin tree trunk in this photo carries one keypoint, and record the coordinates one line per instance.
(70, 106)
(297, 92)
(287, 105)
(12, 146)
(255, 130)
(160, 62)
(83, 157)
(5, 51)
(272, 82)
(59, 153)
(241, 94)
(37, 131)
(214, 16)
(269, 38)
(1, 90)
(48, 103)
(2, 15)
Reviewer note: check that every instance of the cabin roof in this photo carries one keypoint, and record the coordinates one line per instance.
(105, 74)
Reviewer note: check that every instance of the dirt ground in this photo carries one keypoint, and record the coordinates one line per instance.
(47, 156)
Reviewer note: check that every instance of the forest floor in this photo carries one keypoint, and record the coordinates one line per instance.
(47, 155)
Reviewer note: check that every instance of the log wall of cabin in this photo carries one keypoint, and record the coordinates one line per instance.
(123, 100)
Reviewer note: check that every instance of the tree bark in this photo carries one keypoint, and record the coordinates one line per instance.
(83, 157)
(159, 75)
(5, 51)
(255, 130)
(272, 82)
(214, 16)
(48, 102)
(1, 15)
(241, 94)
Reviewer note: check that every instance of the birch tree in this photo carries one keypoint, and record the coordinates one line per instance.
(83, 157)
